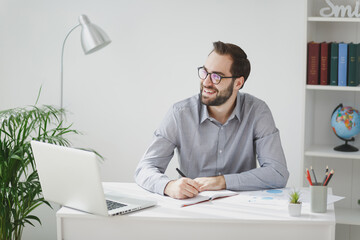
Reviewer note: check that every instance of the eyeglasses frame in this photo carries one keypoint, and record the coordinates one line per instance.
(215, 83)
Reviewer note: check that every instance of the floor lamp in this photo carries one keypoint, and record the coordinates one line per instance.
(93, 38)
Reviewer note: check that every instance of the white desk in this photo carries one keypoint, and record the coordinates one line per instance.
(220, 219)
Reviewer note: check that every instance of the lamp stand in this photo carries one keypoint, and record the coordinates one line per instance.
(62, 69)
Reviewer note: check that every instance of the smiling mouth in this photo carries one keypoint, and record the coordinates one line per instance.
(207, 91)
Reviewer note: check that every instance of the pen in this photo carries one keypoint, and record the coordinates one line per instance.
(180, 172)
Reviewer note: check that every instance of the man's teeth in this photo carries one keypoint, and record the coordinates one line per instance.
(208, 91)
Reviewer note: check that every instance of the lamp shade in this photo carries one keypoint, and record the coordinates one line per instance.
(93, 37)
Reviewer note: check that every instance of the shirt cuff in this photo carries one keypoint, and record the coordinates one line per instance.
(232, 182)
(160, 186)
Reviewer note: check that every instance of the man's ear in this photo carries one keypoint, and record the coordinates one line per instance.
(239, 82)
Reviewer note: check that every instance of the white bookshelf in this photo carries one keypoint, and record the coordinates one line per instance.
(347, 216)
(320, 101)
(327, 151)
(333, 19)
(333, 88)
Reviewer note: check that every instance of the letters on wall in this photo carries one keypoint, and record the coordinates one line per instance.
(333, 10)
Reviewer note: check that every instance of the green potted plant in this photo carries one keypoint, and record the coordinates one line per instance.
(20, 190)
(294, 203)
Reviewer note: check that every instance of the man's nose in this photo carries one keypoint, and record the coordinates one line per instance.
(207, 81)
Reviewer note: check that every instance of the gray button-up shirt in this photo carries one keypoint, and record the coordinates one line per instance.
(207, 148)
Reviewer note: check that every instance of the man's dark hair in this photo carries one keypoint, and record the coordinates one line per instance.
(240, 65)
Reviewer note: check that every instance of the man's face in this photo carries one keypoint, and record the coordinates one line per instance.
(216, 95)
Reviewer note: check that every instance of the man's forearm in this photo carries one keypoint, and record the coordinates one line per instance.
(151, 179)
(149, 173)
(211, 183)
(258, 178)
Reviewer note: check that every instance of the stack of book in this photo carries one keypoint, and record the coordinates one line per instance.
(333, 64)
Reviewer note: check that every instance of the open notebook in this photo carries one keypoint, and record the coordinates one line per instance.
(202, 197)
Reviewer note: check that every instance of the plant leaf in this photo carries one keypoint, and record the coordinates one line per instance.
(20, 190)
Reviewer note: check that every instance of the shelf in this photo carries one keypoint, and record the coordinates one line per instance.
(319, 101)
(333, 19)
(328, 152)
(349, 216)
(333, 88)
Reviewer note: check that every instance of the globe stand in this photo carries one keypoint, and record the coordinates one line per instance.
(346, 147)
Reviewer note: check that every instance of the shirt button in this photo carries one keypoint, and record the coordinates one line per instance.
(219, 173)
(220, 151)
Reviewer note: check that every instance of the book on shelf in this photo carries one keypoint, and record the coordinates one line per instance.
(324, 63)
(331, 63)
(342, 66)
(201, 197)
(351, 65)
(357, 71)
(334, 59)
(313, 63)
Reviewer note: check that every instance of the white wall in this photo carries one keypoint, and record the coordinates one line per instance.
(118, 96)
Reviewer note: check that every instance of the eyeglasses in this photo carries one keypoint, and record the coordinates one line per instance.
(214, 77)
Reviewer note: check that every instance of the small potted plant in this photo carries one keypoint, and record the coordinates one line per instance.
(294, 204)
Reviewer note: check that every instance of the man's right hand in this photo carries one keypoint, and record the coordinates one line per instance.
(182, 188)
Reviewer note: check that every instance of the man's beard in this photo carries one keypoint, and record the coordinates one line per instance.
(221, 97)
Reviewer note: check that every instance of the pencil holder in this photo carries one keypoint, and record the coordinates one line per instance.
(318, 202)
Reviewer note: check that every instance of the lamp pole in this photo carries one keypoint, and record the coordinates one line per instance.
(93, 38)
(62, 68)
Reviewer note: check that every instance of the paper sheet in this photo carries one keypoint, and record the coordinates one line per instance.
(280, 196)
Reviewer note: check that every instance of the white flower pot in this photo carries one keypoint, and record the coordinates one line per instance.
(294, 209)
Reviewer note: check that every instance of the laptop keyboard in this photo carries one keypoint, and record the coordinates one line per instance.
(113, 205)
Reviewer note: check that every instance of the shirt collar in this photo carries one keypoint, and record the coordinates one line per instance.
(204, 114)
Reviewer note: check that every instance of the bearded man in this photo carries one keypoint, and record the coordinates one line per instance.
(219, 134)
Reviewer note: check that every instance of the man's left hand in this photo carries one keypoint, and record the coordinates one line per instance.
(211, 183)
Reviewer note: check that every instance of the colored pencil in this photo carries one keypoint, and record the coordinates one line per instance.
(329, 177)
(308, 179)
(308, 173)
(313, 172)
(326, 176)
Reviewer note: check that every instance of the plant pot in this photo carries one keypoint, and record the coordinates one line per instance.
(294, 209)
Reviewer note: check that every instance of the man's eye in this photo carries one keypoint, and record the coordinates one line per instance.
(216, 77)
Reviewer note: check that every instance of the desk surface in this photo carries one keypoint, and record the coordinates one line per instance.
(220, 212)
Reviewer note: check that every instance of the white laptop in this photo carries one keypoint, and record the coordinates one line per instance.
(71, 178)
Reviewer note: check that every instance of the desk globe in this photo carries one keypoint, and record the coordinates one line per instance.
(345, 122)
